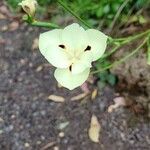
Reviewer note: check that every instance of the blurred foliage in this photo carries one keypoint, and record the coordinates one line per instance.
(94, 10)
(104, 9)
(14, 3)
(105, 77)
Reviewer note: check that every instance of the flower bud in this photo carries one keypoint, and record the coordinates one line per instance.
(29, 6)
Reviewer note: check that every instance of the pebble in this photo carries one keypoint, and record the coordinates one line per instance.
(9, 128)
(1, 131)
(56, 148)
(42, 137)
(13, 117)
(27, 145)
(1, 120)
(61, 134)
(43, 112)
(38, 142)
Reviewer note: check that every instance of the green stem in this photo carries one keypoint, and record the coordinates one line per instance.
(73, 13)
(148, 50)
(126, 40)
(122, 59)
(110, 52)
(132, 37)
(44, 24)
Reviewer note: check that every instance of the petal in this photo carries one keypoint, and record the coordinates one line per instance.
(83, 63)
(49, 47)
(98, 43)
(75, 38)
(52, 37)
(69, 80)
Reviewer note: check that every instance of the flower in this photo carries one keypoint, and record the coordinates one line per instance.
(72, 50)
(29, 6)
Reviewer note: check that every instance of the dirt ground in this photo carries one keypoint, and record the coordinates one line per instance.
(29, 121)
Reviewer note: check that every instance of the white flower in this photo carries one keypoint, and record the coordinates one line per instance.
(29, 6)
(72, 51)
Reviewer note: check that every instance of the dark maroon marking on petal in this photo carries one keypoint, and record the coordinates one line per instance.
(88, 48)
(62, 46)
(70, 68)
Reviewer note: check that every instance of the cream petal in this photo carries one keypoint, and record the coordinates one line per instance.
(49, 47)
(83, 63)
(48, 38)
(98, 43)
(57, 57)
(75, 38)
(69, 80)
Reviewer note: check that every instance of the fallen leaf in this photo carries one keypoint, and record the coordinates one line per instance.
(94, 129)
(4, 28)
(13, 26)
(49, 145)
(85, 88)
(2, 16)
(35, 44)
(56, 98)
(79, 97)
(39, 68)
(112, 107)
(4, 10)
(119, 101)
(62, 125)
(94, 94)
(59, 85)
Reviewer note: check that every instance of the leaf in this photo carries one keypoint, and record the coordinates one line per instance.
(103, 75)
(119, 101)
(94, 94)
(49, 145)
(63, 125)
(2, 16)
(13, 26)
(111, 79)
(79, 97)
(56, 98)
(35, 44)
(85, 88)
(94, 129)
(39, 68)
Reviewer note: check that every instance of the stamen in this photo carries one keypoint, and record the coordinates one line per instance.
(88, 48)
(62, 46)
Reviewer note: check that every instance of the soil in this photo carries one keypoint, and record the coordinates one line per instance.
(29, 121)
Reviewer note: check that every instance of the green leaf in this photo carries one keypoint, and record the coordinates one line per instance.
(103, 76)
(112, 79)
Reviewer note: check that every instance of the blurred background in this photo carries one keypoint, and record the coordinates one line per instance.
(98, 13)
(31, 120)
